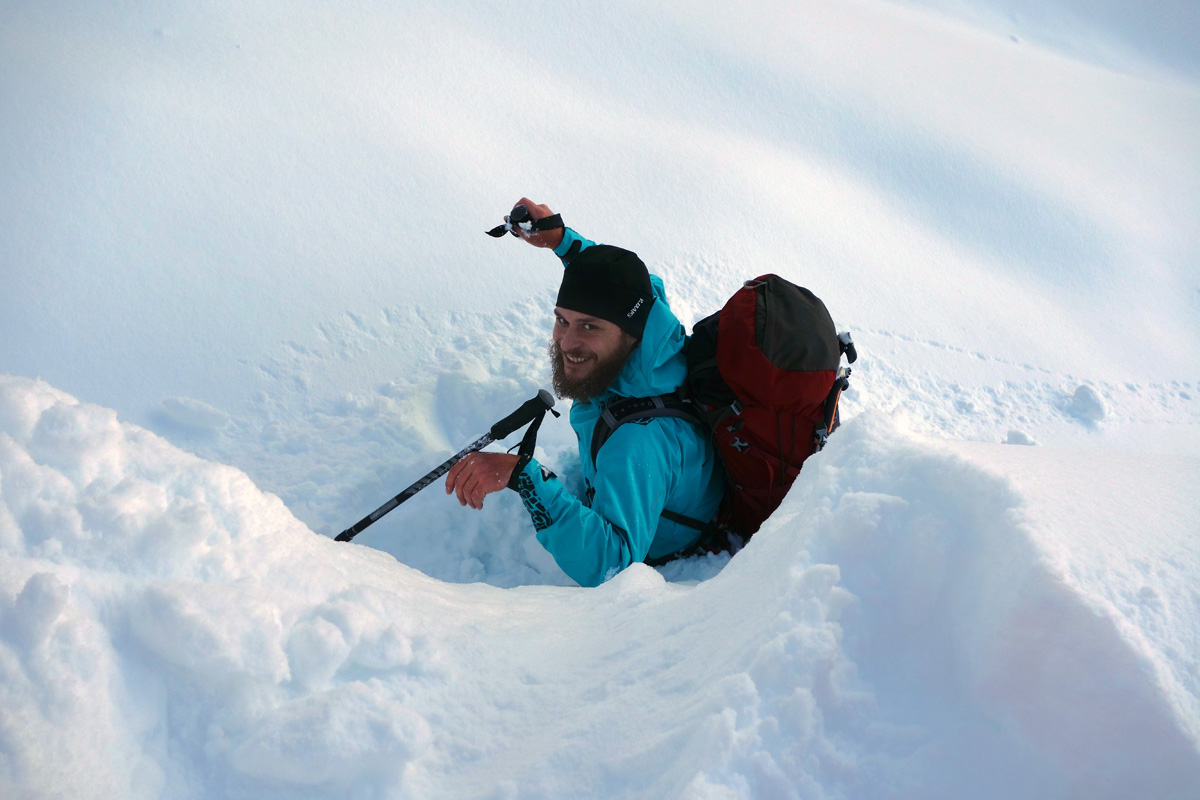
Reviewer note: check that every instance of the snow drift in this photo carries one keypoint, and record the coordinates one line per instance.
(170, 630)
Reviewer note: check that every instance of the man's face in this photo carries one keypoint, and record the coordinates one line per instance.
(586, 354)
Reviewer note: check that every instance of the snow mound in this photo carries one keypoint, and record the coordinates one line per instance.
(900, 628)
(1087, 406)
(192, 414)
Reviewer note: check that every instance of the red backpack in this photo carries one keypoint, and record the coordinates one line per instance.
(764, 379)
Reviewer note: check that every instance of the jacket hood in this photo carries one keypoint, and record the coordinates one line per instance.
(658, 364)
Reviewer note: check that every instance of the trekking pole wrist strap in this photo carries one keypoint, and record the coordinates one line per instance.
(525, 450)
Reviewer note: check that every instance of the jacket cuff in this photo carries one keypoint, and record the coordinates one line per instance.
(571, 245)
(515, 479)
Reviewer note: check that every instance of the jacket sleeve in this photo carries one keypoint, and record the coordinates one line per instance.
(571, 245)
(593, 543)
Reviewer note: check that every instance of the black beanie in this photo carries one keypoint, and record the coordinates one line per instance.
(608, 283)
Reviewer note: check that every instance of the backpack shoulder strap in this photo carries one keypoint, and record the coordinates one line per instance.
(627, 409)
(618, 412)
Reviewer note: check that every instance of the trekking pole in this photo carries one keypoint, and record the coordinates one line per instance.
(529, 411)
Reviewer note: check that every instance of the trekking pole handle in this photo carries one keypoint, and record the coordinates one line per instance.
(528, 411)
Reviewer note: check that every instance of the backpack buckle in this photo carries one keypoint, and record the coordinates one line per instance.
(822, 436)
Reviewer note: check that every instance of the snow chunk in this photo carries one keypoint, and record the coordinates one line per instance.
(316, 648)
(194, 414)
(1019, 437)
(214, 632)
(353, 729)
(635, 584)
(36, 609)
(82, 441)
(1087, 406)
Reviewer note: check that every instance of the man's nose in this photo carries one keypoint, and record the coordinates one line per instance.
(567, 340)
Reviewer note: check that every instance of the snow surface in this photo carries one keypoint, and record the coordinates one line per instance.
(250, 240)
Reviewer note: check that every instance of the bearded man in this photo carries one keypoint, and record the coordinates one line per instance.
(614, 336)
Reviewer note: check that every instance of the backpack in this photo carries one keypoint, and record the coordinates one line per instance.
(764, 379)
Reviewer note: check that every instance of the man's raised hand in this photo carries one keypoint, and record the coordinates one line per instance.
(552, 238)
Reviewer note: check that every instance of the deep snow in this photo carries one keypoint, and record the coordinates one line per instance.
(175, 632)
(257, 234)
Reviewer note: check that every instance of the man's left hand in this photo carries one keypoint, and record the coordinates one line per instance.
(478, 475)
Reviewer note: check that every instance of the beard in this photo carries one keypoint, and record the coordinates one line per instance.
(602, 375)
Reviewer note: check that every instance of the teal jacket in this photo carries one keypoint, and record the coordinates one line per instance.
(644, 467)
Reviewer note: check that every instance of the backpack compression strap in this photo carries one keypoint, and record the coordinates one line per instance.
(841, 383)
(829, 417)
